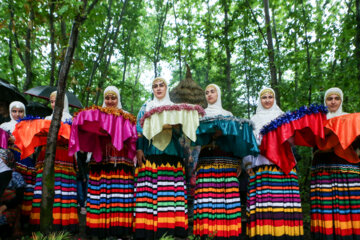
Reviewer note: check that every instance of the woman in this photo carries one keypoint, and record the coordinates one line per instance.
(110, 200)
(217, 207)
(11, 198)
(160, 199)
(274, 204)
(26, 167)
(65, 215)
(335, 184)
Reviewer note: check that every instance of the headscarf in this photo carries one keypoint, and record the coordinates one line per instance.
(216, 109)
(159, 102)
(112, 90)
(10, 126)
(339, 111)
(263, 116)
(3, 159)
(65, 114)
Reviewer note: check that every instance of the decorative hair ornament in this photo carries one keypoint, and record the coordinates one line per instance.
(265, 91)
(110, 92)
(333, 93)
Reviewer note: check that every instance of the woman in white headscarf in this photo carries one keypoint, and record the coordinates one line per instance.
(65, 214)
(25, 167)
(217, 205)
(17, 111)
(159, 175)
(274, 204)
(110, 197)
(335, 184)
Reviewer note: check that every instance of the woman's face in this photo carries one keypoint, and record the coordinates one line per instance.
(211, 95)
(159, 89)
(52, 101)
(17, 113)
(111, 100)
(267, 100)
(333, 102)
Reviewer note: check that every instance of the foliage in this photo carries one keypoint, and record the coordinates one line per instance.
(50, 236)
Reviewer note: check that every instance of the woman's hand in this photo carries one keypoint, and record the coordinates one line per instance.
(11, 139)
(250, 172)
(140, 157)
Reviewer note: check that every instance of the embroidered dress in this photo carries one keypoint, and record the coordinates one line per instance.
(217, 207)
(335, 198)
(65, 213)
(160, 186)
(110, 200)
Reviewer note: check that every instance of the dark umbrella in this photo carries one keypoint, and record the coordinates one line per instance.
(37, 109)
(10, 93)
(45, 91)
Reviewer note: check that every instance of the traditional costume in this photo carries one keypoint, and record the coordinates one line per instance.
(65, 213)
(110, 134)
(335, 186)
(217, 206)
(160, 188)
(26, 167)
(274, 204)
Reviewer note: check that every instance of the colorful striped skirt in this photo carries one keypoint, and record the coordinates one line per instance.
(335, 200)
(160, 197)
(217, 207)
(110, 199)
(65, 213)
(274, 205)
(26, 168)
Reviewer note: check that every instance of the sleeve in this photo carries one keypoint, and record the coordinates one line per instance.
(247, 162)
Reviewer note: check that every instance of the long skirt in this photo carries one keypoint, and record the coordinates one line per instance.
(65, 214)
(26, 168)
(335, 200)
(160, 197)
(217, 207)
(110, 199)
(274, 205)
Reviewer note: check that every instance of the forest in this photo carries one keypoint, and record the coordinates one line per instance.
(300, 48)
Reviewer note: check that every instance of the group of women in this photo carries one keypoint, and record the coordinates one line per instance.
(148, 199)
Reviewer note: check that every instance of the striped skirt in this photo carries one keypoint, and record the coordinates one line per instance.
(274, 205)
(110, 199)
(26, 168)
(65, 214)
(217, 207)
(335, 201)
(160, 196)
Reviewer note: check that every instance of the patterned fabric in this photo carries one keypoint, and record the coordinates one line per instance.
(274, 205)
(217, 207)
(160, 196)
(26, 168)
(110, 200)
(9, 215)
(335, 198)
(65, 200)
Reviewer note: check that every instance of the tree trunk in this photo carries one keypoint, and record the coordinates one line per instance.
(52, 43)
(158, 44)
(308, 57)
(178, 41)
(11, 60)
(274, 82)
(228, 55)
(47, 199)
(135, 83)
(28, 50)
(357, 40)
(277, 43)
(208, 43)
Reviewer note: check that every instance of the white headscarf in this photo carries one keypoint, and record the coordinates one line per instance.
(216, 109)
(159, 102)
(263, 116)
(113, 90)
(65, 114)
(10, 126)
(339, 111)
